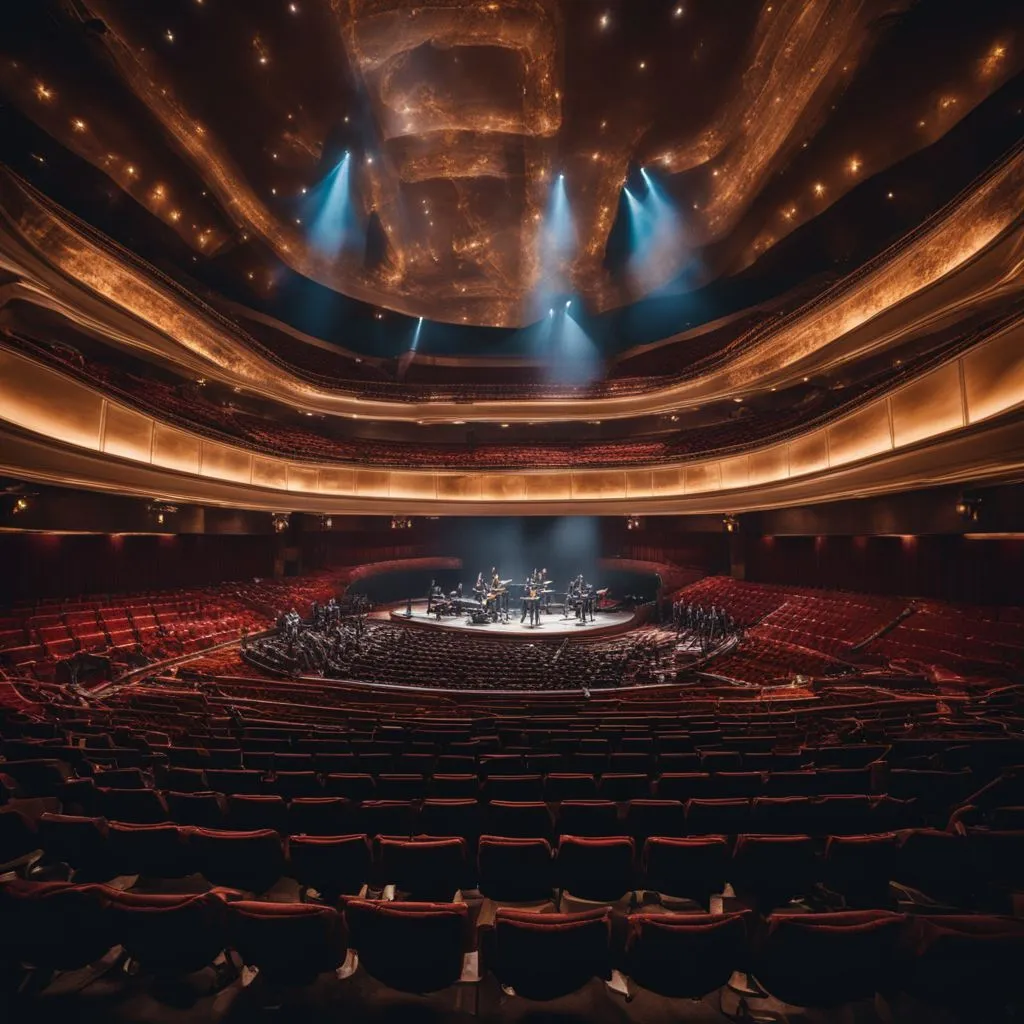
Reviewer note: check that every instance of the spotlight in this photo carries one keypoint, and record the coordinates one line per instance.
(280, 521)
(731, 523)
(568, 303)
(551, 312)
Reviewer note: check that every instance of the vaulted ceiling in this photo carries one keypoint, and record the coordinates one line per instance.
(226, 121)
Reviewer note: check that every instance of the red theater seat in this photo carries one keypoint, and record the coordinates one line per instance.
(860, 867)
(691, 868)
(544, 956)
(252, 861)
(290, 943)
(168, 934)
(423, 868)
(153, 851)
(411, 947)
(333, 865)
(826, 960)
(770, 870)
(319, 816)
(684, 956)
(595, 869)
(514, 870)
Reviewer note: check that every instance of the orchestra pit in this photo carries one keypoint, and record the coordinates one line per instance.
(511, 510)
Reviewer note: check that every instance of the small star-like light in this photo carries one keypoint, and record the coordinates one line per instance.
(298, 220)
(42, 93)
(303, 190)
(78, 124)
(604, 21)
(369, 159)
(888, 195)
(169, 36)
(293, 8)
(273, 191)
(819, 188)
(854, 165)
(130, 171)
(175, 215)
(643, 65)
(677, 11)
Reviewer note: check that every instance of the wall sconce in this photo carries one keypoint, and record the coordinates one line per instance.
(280, 521)
(401, 523)
(632, 522)
(969, 508)
(731, 523)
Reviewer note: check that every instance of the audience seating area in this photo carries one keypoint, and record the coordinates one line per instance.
(807, 853)
(155, 626)
(790, 630)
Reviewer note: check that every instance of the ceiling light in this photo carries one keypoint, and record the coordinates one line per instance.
(678, 11)
(604, 21)
(169, 36)
(78, 124)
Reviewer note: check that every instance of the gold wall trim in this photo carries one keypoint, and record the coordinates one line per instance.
(45, 402)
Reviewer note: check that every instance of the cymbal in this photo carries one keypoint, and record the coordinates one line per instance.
(548, 583)
(505, 583)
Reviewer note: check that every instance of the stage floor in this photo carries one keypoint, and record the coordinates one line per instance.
(552, 626)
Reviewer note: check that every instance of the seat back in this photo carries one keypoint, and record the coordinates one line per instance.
(514, 870)
(595, 869)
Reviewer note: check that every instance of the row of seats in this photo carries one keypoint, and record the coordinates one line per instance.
(822, 960)
(817, 816)
(766, 870)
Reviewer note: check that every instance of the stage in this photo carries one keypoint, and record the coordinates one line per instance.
(552, 626)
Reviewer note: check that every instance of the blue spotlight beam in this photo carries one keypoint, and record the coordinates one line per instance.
(334, 225)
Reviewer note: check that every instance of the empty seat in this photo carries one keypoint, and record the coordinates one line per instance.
(248, 811)
(450, 818)
(386, 818)
(595, 869)
(142, 806)
(332, 865)
(168, 934)
(646, 818)
(235, 780)
(154, 851)
(204, 809)
(295, 784)
(411, 947)
(782, 815)
(454, 787)
(252, 861)
(290, 943)
(120, 778)
(826, 960)
(569, 786)
(717, 817)
(53, 925)
(935, 863)
(183, 780)
(690, 868)
(319, 816)
(997, 857)
(422, 869)
(967, 963)
(79, 842)
(520, 819)
(684, 956)
(544, 956)
(18, 835)
(769, 870)
(514, 870)
(721, 761)
(616, 786)
(350, 786)
(588, 818)
(513, 787)
(860, 867)
(683, 786)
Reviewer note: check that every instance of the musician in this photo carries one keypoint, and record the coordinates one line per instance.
(545, 598)
(435, 594)
(479, 587)
(531, 601)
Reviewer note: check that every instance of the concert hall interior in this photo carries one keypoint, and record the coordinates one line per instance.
(511, 509)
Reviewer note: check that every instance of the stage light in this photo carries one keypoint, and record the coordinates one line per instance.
(333, 220)
(416, 335)
(568, 303)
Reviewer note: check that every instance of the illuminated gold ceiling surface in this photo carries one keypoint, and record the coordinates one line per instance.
(756, 116)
